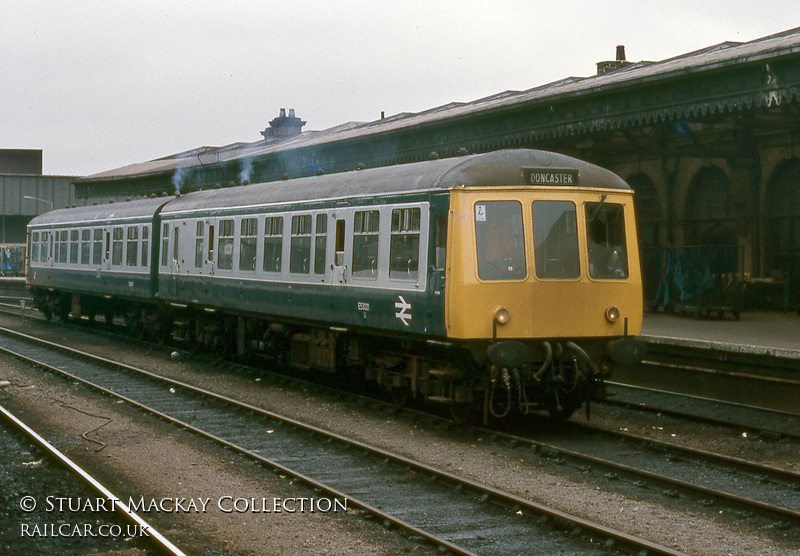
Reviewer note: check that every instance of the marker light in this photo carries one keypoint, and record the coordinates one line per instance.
(502, 316)
(612, 314)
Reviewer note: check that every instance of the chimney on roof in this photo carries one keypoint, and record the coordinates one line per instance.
(284, 126)
(614, 65)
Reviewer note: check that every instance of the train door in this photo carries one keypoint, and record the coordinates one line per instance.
(208, 260)
(174, 262)
(209, 263)
(437, 269)
(339, 267)
(107, 251)
(49, 242)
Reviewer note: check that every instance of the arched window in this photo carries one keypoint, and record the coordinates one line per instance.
(648, 222)
(648, 209)
(782, 224)
(708, 211)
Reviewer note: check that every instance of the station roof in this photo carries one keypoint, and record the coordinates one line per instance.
(726, 55)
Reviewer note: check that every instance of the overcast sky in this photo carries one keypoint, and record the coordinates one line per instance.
(97, 85)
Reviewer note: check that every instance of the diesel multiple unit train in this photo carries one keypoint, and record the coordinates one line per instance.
(496, 282)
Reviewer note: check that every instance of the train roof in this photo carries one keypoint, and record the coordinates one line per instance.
(499, 168)
(140, 208)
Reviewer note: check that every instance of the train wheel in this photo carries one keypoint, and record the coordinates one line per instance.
(63, 314)
(463, 413)
(561, 413)
(400, 397)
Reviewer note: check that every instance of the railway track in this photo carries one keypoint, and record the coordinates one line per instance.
(749, 419)
(745, 375)
(55, 506)
(428, 502)
(775, 507)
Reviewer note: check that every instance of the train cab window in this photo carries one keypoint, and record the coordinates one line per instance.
(225, 245)
(248, 244)
(34, 246)
(605, 232)
(404, 244)
(145, 243)
(555, 239)
(47, 248)
(320, 243)
(97, 247)
(116, 247)
(499, 239)
(62, 253)
(165, 245)
(300, 247)
(132, 252)
(365, 243)
(86, 246)
(73, 246)
(198, 245)
(273, 243)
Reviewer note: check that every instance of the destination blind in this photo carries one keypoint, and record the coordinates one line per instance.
(550, 177)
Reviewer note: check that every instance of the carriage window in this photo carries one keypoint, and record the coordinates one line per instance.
(338, 256)
(210, 243)
(132, 253)
(175, 242)
(73, 246)
(225, 244)
(198, 246)
(145, 242)
(63, 242)
(605, 230)
(165, 245)
(273, 243)
(247, 244)
(499, 240)
(300, 256)
(35, 246)
(45, 246)
(365, 244)
(97, 247)
(86, 245)
(404, 247)
(320, 243)
(116, 247)
(555, 238)
(54, 246)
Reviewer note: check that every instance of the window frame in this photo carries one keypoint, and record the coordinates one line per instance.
(366, 227)
(492, 241)
(248, 243)
(539, 251)
(406, 225)
(300, 245)
(273, 244)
